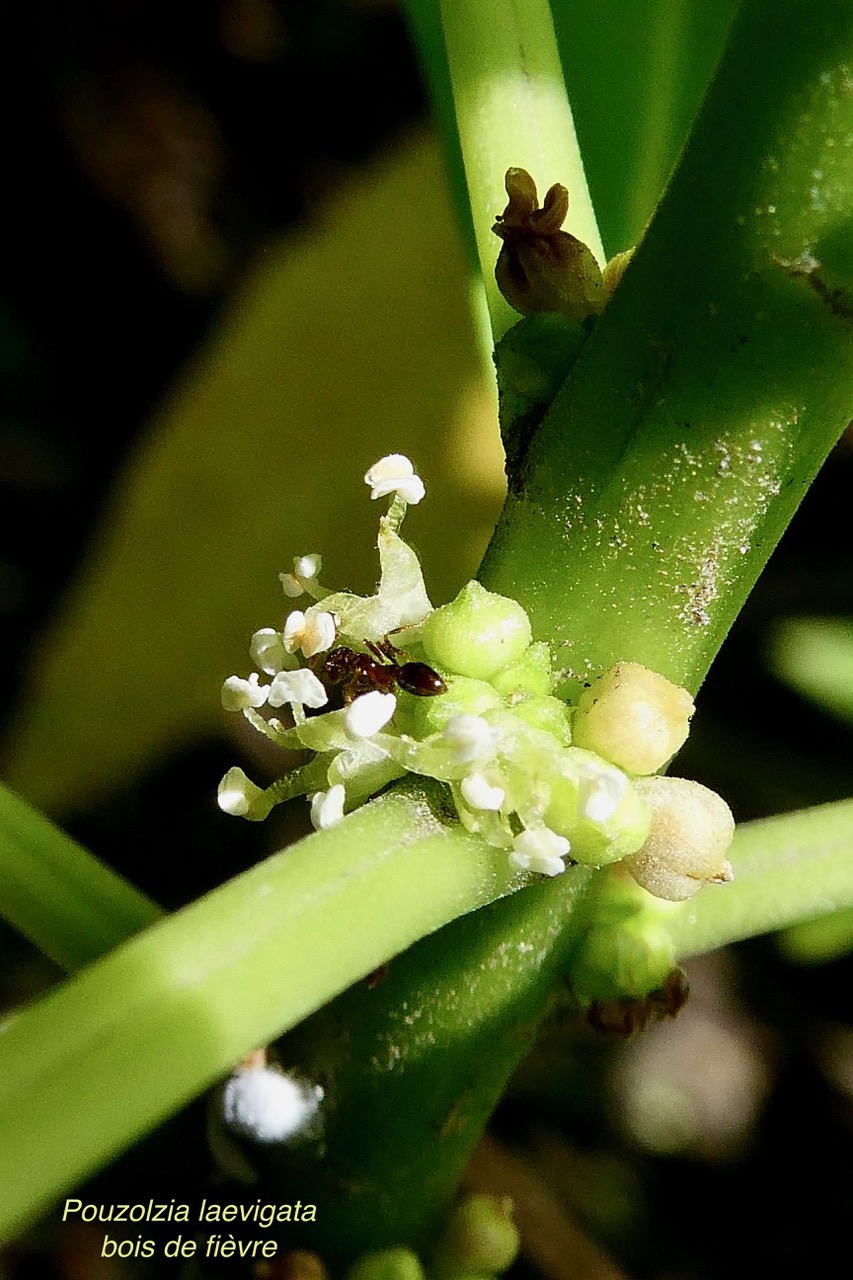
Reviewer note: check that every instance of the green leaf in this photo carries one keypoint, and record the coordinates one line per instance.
(650, 62)
(65, 901)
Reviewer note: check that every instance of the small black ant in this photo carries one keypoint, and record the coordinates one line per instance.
(359, 673)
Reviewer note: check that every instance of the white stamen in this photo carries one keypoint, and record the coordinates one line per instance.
(395, 474)
(310, 566)
(540, 850)
(600, 793)
(480, 794)
(239, 694)
(327, 807)
(268, 651)
(306, 570)
(300, 686)
(238, 795)
(312, 632)
(369, 713)
(470, 736)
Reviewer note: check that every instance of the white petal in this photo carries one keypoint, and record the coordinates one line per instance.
(267, 1105)
(327, 807)
(290, 585)
(239, 695)
(369, 713)
(480, 794)
(297, 686)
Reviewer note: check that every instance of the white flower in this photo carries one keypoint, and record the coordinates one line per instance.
(297, 686)
(263, 1103)
(239, 694)
(395, 474)
(306, 570)
(540, 850)
(369, 713)
(470, 737)
(327, 807)
(268, 651)
(480, 793)
(312, 632)
(238, 795)
(600, 792)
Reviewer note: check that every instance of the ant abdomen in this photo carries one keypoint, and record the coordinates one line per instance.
(418, 678)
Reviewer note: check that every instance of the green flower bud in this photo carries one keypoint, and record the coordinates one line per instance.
(550, 714)
(477, 634)
(480, 1236)
(387, 1264)
(691, 830)
(596, 808)
(531, 674)
(464, 697)
(633, 717)
(623, 961)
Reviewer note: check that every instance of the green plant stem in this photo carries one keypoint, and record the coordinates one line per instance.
(787, 869)
(107, 1055)
(715, 383)
(511, 111)
(418, 1060)
(65, 901)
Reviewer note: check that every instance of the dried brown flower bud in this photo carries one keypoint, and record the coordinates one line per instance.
(540, 267)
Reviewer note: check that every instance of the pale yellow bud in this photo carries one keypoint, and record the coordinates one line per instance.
(691, 830)
(633, 717)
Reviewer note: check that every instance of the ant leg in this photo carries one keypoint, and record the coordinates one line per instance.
(383, 651)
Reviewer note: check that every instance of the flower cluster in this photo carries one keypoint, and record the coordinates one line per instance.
(385, 685)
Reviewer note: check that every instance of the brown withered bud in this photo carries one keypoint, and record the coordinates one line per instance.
(626, 1017)
(540, 267)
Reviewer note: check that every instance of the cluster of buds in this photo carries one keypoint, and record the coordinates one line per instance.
(385, 685)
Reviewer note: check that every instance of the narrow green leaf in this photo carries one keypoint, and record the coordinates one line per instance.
(815, 657)
(65, 901)
(796, 867)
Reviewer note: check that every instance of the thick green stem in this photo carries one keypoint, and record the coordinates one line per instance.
(717, 380)
(512, 111)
